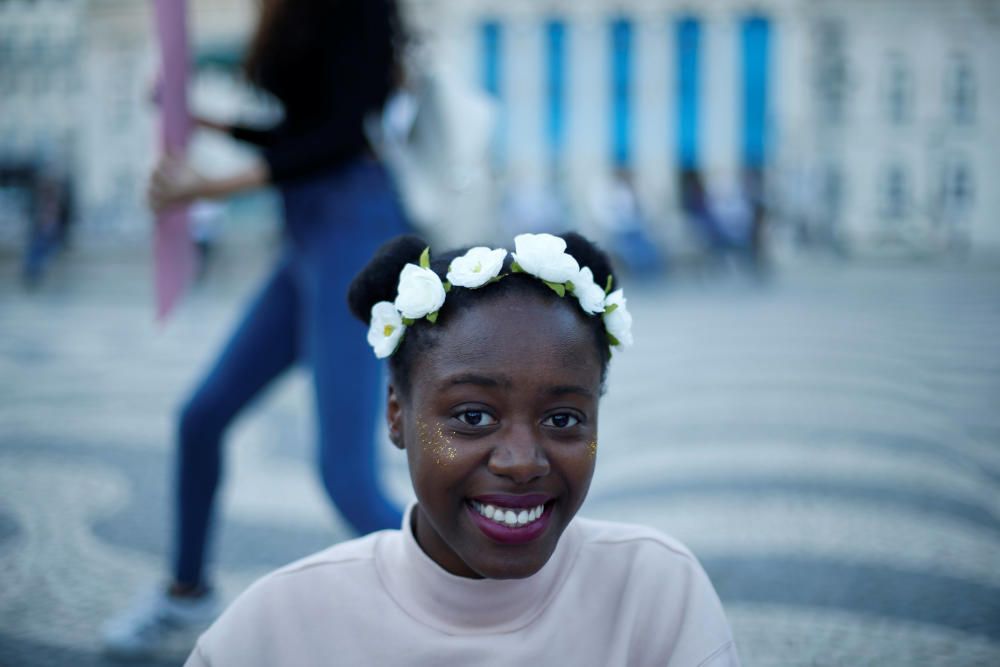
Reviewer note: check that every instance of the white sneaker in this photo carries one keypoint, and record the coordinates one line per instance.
(153, 619)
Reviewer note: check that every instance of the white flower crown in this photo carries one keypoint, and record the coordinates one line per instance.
(421, 293)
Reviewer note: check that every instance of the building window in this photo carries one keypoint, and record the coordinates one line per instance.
(961, 185)
(899, 98)
(621, 85)
(490, 34)
(555, 38)
(961, 90)
(895, 198)
(491, 60)
(755, 42)
(688, 38)
(957, 192)
(831, 190)
(830, 74)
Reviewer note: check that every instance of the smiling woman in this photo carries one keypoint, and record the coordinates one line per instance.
(494, 396)
(519, 403)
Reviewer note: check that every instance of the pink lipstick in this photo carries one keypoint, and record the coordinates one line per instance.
(511, 519)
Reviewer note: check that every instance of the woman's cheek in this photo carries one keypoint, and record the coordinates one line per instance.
(435, 443)
(577, 459)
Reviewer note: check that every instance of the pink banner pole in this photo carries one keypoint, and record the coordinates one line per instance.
(173, 251)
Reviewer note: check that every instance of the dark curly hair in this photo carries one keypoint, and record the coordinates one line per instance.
(379, 279)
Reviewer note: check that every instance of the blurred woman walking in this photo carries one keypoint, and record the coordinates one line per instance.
(330, 63)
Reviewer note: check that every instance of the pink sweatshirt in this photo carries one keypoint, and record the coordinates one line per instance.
(612, 594)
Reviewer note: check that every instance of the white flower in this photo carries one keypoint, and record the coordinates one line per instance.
(589, 293)
(476, 267)
(617, 319)
(544, 256)
(386, 329)
(420, 292)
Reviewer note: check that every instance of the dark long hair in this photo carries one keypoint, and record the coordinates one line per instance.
(292, 32)
(272, 12)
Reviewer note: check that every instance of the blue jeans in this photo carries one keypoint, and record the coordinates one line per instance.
(334, 222)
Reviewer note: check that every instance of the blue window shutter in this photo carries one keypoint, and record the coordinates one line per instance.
(621, 83)
(688, 33)
(755, 37)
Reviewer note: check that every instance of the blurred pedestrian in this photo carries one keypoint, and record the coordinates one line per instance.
(330, 63)
(729, 222)
(625, 227)
(701, 215)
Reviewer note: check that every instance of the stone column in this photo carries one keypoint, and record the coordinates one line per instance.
(524, 60)
(588, 103)
(654, 123)
(721, 105)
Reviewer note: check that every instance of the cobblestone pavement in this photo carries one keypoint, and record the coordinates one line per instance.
(827, 443)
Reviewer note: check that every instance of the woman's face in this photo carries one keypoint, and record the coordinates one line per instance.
(501, 414)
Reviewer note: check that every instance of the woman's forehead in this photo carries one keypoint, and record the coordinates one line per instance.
(556, 381)
(509, 338)
(511, 325)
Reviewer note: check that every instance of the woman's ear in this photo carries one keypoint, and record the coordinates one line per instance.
(394, 416)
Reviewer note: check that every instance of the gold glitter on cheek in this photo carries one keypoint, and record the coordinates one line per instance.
(592, 448)
(436, 443)
(443, 449)
(423, 434)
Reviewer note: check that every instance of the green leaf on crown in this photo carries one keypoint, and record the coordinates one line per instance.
(607, 287)
(516, 268)
(425, 258)
(407, 321)
(569, 286)
(613, 340)
(432, 317)
(610, 308)
(447, 287)
(558, 288)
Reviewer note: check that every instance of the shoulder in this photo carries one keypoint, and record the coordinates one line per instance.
(278, 601)
(645, 560)
(639, 543)
(674, 614)
(338, 557)
(331, 568)
(617, 532)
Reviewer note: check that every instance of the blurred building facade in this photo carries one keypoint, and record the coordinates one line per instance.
(76, 78)
(867, 122)
(872, 122)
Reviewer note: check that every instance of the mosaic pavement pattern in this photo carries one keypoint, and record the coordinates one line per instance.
(827, 443)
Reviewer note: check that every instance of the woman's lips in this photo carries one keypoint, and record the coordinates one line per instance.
(511, 524)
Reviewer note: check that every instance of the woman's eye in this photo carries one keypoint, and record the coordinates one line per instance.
(477, 418)
(561, 420)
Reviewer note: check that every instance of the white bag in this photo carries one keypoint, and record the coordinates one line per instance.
(435, 139)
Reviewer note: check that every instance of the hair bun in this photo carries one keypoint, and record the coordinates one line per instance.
(378, 280)
(587, 254)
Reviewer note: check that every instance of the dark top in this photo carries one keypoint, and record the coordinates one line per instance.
(329, 63)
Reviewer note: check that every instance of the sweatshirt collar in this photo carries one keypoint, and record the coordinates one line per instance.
(460, 605)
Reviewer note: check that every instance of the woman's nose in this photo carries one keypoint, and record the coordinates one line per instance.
(519, 458)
